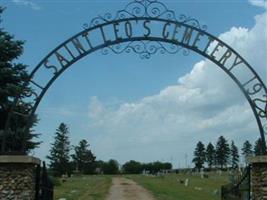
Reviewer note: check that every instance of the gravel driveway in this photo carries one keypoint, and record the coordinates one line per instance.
(126, 189)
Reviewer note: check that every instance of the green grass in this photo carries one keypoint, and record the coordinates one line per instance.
(163, 188)
(168, 187)
(84, 188)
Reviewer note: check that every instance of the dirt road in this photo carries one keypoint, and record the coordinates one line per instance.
(126, 189)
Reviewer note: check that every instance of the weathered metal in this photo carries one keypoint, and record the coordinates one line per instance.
(240, 190)
(146, 27)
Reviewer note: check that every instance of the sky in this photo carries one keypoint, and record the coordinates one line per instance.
(142, 109)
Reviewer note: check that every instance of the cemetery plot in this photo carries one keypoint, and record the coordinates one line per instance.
(183, 186)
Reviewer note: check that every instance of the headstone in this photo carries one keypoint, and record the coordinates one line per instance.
(186, 183)
(202, 173)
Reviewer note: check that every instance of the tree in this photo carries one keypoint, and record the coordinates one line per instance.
(247, 150)
(156, 167)
(59, 153)
(111, 167)
(167, 166)
(222, 152)
(258, 150)
(84, 158)
(210, 155)
(132, 167)
(13, 77)
(199, 155)
(234, 156)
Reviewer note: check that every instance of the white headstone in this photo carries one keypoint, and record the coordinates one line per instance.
(186, 183)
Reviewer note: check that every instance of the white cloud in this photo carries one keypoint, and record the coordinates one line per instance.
(203, 104)
(259, 3)
(27, 3)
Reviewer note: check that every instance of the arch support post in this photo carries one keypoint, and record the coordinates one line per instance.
(18, 177)
(259, 177)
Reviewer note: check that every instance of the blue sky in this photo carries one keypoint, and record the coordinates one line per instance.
(128, 108)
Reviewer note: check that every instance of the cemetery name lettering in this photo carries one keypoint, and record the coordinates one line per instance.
(130, 30)
(171, 32)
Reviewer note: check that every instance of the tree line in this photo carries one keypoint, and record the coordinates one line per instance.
(81, 161)
(135, 167)
(84, 161)
(224, 155)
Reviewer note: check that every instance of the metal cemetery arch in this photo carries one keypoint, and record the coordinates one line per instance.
(147, 27)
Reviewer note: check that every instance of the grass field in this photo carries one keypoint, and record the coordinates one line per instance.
(163, 188)
(168, 187)
(84, 188)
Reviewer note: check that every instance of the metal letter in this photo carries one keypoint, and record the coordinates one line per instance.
(208, 44)
(147, 28)
(225, 56)
(236, 62)
(61, 59)
(77, 44)
(103, 35)
(215, 50)
(128, 29)
(187, 35)
(116, 30)
(165, 33)
(175, 31)
(85, 35)
(69, 51)
(197, 39)
(50, 66)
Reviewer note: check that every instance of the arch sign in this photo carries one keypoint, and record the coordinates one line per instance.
(147, 27)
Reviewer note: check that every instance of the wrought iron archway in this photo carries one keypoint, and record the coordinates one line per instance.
(146, 27)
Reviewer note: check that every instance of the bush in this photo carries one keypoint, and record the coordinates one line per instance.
(56, 181)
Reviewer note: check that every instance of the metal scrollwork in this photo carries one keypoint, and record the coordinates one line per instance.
(145, 8)
(143, 48)
(31, 93)
(151, 9)
(191, 21)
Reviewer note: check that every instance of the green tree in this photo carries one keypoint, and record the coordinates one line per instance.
(156, 166)
(84, 158)
(111, 167)
(132, 167)
(199, 155)
(222, 152)
(167, 166)
(234, 156)
(59, 153)
(13, 76)
(210, 155)
(247, 150)
(258, 150)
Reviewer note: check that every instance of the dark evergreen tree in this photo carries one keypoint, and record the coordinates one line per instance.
(258, 150)
(210, 155)
(234, 156)
(247, 150)
(222, 152)
(59, 153)
(84, 158)
(199, 156)
(13, 76)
